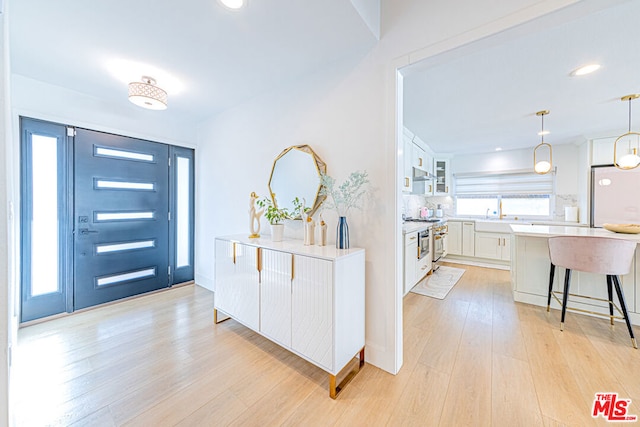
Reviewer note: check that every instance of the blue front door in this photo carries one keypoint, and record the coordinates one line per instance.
(121, 218)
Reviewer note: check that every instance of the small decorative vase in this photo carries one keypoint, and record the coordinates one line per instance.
(309, 232)
(277, 231)
(322, 234)
(342, 234)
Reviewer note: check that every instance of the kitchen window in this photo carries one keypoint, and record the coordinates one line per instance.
(528, 206)
(519, 193)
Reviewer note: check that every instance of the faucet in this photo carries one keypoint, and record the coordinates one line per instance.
(501, 214)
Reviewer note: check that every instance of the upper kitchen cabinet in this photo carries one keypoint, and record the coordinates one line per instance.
(441, 171)
(407, 160)
(602, 151)
(422, 157)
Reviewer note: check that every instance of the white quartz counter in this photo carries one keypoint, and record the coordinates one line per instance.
(554, 230)
(414, 227)
(520, 221)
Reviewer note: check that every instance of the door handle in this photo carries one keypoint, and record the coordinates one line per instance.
(85, 231)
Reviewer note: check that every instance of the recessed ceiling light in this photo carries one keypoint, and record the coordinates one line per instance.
(586, 69)
(498, 148)
(233, 4)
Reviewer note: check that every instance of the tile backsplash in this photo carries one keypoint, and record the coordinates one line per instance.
(562, 201)
(411, 204)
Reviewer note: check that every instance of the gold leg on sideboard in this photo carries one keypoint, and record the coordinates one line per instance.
(217, 318)
(334, 390)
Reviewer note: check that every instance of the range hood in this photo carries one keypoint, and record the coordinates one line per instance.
(422, 175)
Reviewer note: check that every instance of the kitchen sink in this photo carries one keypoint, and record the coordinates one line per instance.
(496, 225)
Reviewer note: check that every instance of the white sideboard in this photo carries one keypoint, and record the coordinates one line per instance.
(308, 299)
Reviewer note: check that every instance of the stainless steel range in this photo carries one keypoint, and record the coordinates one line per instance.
(439, 232)
(438, 235)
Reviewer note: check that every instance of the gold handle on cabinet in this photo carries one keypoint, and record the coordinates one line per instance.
(412, 238)
(292, 270)
(259, 259)
(420, 161)
(430, 188)
(424, 267)
(438, 237)
(406, 182)
(446, 189)
(234, 252)
(418, 252)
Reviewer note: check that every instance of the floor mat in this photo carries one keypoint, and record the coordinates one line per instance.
(439, 283)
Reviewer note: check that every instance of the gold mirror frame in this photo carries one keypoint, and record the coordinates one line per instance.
(320, 168)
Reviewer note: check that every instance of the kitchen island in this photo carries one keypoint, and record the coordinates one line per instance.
(530, 266)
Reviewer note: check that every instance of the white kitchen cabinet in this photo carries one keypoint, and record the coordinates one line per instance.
(410, 260)
(423, 267)
(308, 299)
(493, 246)
(441, 172)
(407, 159)
(419, 157)
(602, 151)
(468, 238)
(455, 237)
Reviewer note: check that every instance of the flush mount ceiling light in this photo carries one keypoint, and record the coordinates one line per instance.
(584, 70)
(233, 4)
(629, 158)
(147, 95)
(545, 164)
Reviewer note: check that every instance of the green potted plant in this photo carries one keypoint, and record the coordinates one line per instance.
(275, 216)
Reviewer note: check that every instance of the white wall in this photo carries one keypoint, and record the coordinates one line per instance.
(346, 113)
(36, 99)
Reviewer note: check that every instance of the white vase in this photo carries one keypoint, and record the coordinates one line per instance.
(277, 231)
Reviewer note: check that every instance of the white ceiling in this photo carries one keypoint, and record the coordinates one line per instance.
(486, 95)
(207, 57)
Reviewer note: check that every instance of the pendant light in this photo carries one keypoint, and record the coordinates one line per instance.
(629, 160)
(147, 95)
(542, 164)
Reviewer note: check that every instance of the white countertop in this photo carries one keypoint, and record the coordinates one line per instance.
(414, 227)
(520, 221)
(294, 246)
(555, 230)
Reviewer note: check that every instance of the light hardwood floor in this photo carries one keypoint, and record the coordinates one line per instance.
(473, 359)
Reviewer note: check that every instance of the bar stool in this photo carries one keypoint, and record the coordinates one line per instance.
(599, 255)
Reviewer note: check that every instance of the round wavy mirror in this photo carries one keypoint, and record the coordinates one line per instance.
(296, 173)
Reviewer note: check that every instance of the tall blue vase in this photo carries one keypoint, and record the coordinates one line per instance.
(342, 233)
